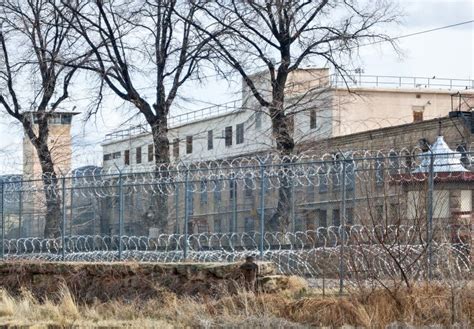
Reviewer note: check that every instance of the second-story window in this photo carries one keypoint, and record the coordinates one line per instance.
(228, 136)
(126, 156)
(240, 133)
(150, 153)
(312, 119)
(138, 155)
(189, 144)
(107, 157)
(176, 148)
(117, 155)
(210, 141)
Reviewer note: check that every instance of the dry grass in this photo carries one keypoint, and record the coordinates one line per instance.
(423, 305)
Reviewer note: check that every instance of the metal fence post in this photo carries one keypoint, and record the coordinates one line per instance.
(186, 214)
(2, 202)
(63, 224)
(20, 212)
(234, 204)
(71, 212)
(292, 207)
(430, 214)
(120, 215)
(262, 208)
(342, 228)
(176, 205)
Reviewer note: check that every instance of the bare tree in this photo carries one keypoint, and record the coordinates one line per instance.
(138, 41)
(34, 41)
(280, 36)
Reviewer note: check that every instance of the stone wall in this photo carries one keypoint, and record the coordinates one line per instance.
(126, 281)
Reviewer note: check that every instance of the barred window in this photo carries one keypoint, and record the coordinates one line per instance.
(189, 144)
(126, 156)
(138, 155)
(240, 133)
(150, 153)
(228, 136)
(176, 148)
(210, 140)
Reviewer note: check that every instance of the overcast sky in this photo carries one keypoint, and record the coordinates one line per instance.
(446, 53)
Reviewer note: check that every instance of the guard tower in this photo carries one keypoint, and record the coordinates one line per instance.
(59, 143)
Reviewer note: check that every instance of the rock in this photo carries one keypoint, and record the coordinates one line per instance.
(276, 283)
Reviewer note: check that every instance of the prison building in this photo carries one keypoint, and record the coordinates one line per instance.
(410, 116)
(373, 193)
(321, 107)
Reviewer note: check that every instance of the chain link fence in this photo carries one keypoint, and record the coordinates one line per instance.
(345, 215)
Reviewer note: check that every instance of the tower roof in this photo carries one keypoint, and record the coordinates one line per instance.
(445, 159)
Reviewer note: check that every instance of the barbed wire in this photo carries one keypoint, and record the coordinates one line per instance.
(309, 253)
(214, 176)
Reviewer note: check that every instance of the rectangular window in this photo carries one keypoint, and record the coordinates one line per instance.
(217, 192)
(379, 170)
(150, 153)
(189, 144)
(349, 216)
(190, 197)
(258, 120)
(336, 217)
(210, 140)
(323, 179)
(310, 193)
(138, 155)
(203, 192)
(107, 157)
(418, 113)
(312, 119)
(66, 119)
(249, 224)
(379, 213)
(394, 212)
(240, 133)
(176, 148)
(248, 188)
(393, 163)
(336, 171)
(126, 156)
(117, 155)
(323, 218)
(232, 189)
(228, 136)
(217, 224)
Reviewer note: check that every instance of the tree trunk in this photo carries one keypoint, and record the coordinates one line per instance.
(282, 130)
(161, 147)
(52, 227)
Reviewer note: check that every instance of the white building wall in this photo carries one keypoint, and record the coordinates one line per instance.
(338, 112)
